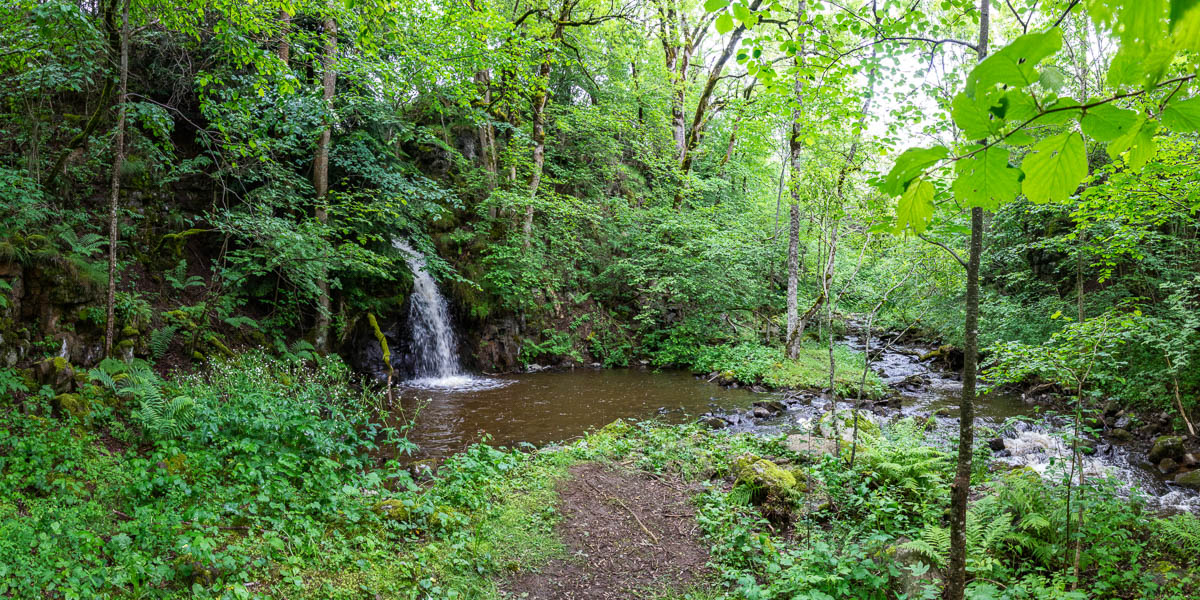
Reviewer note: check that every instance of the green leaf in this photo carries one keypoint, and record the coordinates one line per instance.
(1124, 141)
(975, 121)
(715, 5)
(724, 24)
(741, 13)
(1019, 138)
(1140, 144)
(1021, 106)
(1015, 64)
(1126, 67)
(1185, 24)
(986, 180)
(1054, 168)
(1179, 8)
(1183, 115)
(915, 208)
(1052, 78)
(1106, 122)
(1062, 112)
(909, 166)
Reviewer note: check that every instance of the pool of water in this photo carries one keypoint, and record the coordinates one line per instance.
(540, 408)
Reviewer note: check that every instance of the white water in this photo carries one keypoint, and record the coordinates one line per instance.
(435, 349)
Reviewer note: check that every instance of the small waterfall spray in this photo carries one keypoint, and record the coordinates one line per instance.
(435, 350)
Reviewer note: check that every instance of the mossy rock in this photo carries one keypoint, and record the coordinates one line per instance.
(618, 428)
(57, 373)
(129, 331)
(1167, 446)
(394, 510)
(769, 483)
(73, 404)
(1190, 480)
(845, 423)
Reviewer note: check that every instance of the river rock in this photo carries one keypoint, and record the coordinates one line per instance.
(845, 425)
(767, 480)
(1122, 422)
(1167, 446)
(774, 406)
(996, 444)
(714, 422)
(1167, 466)
(810, 446)
(1190, 480)
(1189, 460)
(761, 413)
(1120, 435)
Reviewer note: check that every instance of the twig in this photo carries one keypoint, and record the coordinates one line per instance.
(653, 537)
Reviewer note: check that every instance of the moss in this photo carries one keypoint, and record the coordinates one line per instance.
(617, 428)
(125, 344)
(383, 345)
(178, 464)
(197, 356)
(219, 346)
(130, 331)
(395, 510)
(73, 404)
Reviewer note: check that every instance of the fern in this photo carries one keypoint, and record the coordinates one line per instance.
(1182, 532)
(159, 415)
(179, 279)
(161, 338)
(933, 544)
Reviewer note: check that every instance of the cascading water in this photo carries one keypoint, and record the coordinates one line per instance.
(434, 348)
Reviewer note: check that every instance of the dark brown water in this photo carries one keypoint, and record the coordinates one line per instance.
(541, 408)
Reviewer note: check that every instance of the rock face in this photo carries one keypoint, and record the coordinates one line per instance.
(1167, 446)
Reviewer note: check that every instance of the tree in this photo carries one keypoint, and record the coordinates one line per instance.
(321, 167)
(115, 187)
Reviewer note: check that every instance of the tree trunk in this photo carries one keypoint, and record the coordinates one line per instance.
(284, 50)
(115, 189)
(539, 151)
(321, 173)
(794, 329)
(960, 489)
(793, 283)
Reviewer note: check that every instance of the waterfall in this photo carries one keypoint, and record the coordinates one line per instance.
(435, 351)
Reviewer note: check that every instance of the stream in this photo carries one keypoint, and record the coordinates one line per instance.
(451, 409)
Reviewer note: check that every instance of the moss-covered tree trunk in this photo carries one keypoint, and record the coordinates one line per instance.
(795, 147)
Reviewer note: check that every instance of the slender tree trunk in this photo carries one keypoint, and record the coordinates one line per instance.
(115, 188)
(795, 148)
(321, 172)
(539, 151)
(961, 487)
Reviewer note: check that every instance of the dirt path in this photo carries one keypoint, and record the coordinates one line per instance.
(628, 535)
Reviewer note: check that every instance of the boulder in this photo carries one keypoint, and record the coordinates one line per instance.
(996, 444)
(395, 510)
(774, 406)
(915, 576)
(1167, 446)
(1190, 480)
(1120, 435)
(761, 413)
(72, 404)
(57, 373)
(769, 483)
(810, 446)
(714, 422)
(1167, 466)
(845, 420)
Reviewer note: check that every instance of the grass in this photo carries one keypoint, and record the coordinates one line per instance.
(753, 364)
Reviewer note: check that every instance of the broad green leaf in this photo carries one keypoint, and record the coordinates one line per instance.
(1052, 78)
(741, 13)
(1183, 115)
(1054, 168)
(1019, 138)
(909, 166)
(1143, 147)
(915, 208)
(975, 121)
(1015, 64)
(1106, 122)
(986, 180)
(1127, 67)
(1185, 24)
(724, 24)
(1124, 141)
(1021, 106)
(715, 5)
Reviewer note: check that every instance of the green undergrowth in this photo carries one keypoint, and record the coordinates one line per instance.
(269, 479)
(753, 364)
